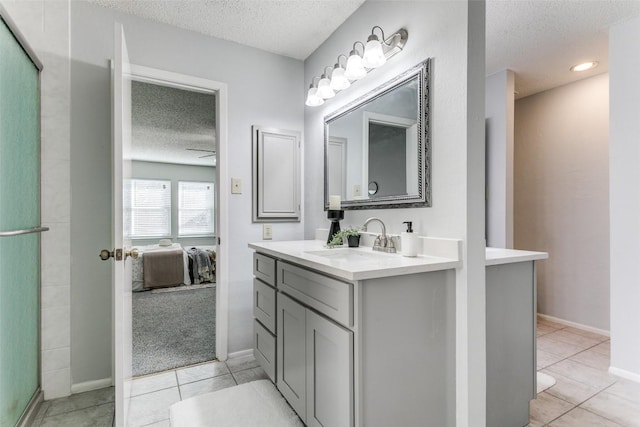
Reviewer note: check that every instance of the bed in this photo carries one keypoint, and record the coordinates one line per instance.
(173, 265)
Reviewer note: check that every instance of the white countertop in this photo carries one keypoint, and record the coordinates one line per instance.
(495, 256)
(363, 263)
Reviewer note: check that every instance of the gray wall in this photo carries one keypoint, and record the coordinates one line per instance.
(263, 89)
(499, 107)
(388, 159)
(174, 173)
(561, 201)
(624, 57)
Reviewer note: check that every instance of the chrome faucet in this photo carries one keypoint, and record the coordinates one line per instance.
(383, 243)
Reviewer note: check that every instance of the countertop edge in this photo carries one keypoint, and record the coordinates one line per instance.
(497, 256)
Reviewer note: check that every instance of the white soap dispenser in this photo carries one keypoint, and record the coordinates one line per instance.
(409, 241)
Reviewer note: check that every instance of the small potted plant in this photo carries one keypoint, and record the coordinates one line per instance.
(351, 234)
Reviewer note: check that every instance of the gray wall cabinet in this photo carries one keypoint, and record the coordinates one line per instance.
(276, 175)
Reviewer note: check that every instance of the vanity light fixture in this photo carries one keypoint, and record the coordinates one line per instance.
(313, 100)
(374, 54)
(584, 66)
(324, 86)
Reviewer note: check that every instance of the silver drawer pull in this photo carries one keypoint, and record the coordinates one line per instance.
(25, 231)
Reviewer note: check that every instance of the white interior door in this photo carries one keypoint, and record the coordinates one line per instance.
(122, 297)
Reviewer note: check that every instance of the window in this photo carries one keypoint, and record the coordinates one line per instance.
(147, 208)
(195, 208)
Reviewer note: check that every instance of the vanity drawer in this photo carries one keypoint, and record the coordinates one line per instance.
(264, 349)
(264, 304)
(324, 294)
(264, 268)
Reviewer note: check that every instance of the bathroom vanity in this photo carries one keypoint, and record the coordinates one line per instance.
(511, 335)
(352, 337)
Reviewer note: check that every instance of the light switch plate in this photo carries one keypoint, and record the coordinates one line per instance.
(236, 186)
(267, 231)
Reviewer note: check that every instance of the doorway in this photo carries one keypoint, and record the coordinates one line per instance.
(173, 211)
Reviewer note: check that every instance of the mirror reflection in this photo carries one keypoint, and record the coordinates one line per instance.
(375, 152)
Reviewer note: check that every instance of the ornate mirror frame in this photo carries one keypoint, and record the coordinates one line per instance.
(423, 154)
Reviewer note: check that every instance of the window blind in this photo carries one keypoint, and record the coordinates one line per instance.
(147, 208)
(195, 208)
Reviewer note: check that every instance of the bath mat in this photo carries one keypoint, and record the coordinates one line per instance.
(257, 403)
(544, 382)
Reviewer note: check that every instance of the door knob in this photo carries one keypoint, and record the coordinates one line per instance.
(105, 254)
(133, 253)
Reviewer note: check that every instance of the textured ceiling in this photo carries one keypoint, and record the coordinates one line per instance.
(172, 125)
(293, 28)
(540, 40)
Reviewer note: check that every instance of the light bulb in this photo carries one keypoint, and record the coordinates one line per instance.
(313, 100)
(355, 70)
(324, 88)
(338, 79)
(373, 56)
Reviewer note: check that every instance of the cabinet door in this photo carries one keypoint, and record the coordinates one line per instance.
(291, 357)
(329, 373)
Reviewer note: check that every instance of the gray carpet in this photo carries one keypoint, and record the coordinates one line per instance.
(173, 329)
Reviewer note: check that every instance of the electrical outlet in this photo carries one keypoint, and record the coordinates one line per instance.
(236, 186)
(356, 190)
(267, 231)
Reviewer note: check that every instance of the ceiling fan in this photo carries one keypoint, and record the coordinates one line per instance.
(212, 152)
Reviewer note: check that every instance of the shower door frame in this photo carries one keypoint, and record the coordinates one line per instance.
(29, 413)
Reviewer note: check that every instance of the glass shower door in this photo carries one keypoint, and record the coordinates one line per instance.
(19, 228)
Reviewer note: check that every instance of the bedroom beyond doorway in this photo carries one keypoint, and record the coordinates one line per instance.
(170, 215)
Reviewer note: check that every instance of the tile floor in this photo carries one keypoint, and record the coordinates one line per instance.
(151, 395)
(585, 394)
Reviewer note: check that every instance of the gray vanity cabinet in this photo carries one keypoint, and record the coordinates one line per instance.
(366, 353)
(315, 365)
(264, 313)
(511, 343)
(292, 357)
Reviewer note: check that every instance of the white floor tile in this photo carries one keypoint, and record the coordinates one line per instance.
(152, 407)
(201, 372)
(153, 383)
(614, 408)
(206, 386)
(578, 417)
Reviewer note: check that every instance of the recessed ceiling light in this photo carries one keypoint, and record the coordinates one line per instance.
(585, 66)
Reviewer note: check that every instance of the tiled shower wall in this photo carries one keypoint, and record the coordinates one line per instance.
(45, 25)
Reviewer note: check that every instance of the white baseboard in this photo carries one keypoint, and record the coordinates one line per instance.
(241, 353)
(624, 374)
(91, 385)
(574, 325)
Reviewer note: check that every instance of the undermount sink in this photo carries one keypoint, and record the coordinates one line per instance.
(351, 254)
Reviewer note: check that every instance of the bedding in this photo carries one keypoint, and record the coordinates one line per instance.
(162, 269)
(205, 272)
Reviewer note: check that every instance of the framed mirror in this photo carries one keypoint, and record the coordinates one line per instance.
(377, 150)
